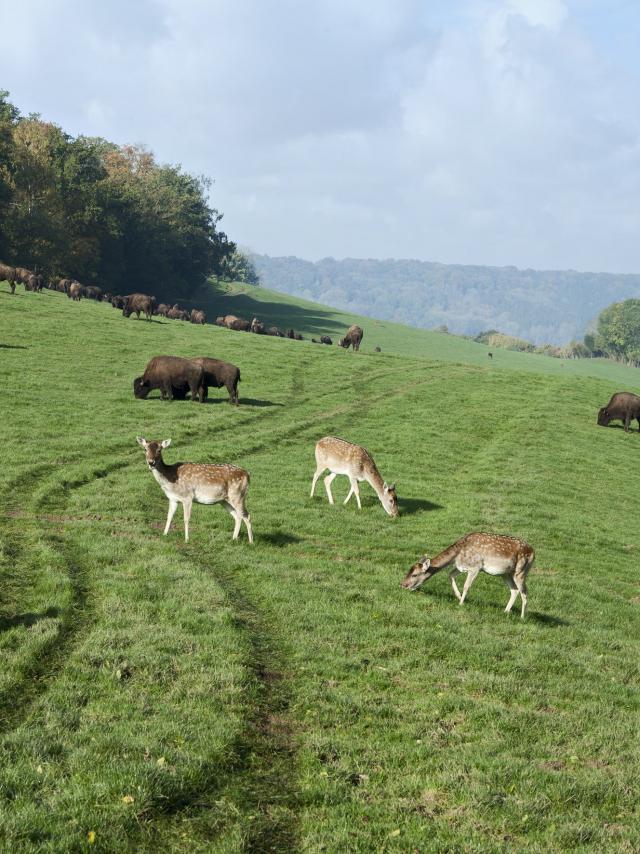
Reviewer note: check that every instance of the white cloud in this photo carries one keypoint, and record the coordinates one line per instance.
(479, 131)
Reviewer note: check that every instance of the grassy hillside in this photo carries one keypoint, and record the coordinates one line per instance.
(313, 320)
(216, 696)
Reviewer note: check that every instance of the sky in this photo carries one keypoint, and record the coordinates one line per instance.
(462, 131)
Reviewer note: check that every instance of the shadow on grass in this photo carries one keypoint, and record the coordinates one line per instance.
(13, 347)
(408, 506)
(545, 619)
(27, 620)
(280, 538)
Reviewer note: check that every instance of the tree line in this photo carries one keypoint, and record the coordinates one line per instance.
(111, 214)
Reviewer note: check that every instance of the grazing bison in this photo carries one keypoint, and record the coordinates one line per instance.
(217, 374)
(275, 332)
(324, 339)
(198, 316)
(137, 303)
(75, 291)
(9, 274)
(352, 338)
(623, 406)
(174, 376)
(176, 313)
(93, 292)
(233, 322)
(22, 275)
(162, 309)
(118, 301)
(35, 283)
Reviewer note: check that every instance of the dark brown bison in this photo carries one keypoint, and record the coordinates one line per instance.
(75, 291)
(198, 316)
(239, 324)
(277, 333)
(217, 374)
(623, 406)
(93, 292)
(162, 309)
(34, 283)
(8, 274)
(352, 338)
(137, 304)
(174, 376)
(64, 285)
(22, 275)
(176, 313)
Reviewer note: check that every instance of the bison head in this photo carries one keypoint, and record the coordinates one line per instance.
(603, 417)
(140, 388)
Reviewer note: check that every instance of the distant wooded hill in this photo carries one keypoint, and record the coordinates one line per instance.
(541, 306)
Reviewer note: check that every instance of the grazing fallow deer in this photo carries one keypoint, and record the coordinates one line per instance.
(357, 464)
(184, 483)
(494, 554)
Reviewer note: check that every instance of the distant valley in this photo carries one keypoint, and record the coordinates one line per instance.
(540, 306)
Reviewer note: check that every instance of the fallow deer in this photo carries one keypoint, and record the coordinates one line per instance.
(494, 554)
(357, 464)
(184, 483)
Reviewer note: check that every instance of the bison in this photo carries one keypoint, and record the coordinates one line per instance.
(162, 309)
(64, 285)
(623, 406)
(198, 316)
(217, 374)
(75, 291)
(176, 313)
(93, 292)
(257, 326)
(118, 301)
(174, 376)
(137, 303)
(352, 338)
(22, 275)
(35, 283)
(9, 274)
(275, 332)
(239, 324)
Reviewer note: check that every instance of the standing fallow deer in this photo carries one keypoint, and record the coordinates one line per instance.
(357, 464)
(494, 554)
(184, 483)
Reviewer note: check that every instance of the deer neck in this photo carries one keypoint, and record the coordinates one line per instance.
(445, 558)
(165, 474)
(374, 479)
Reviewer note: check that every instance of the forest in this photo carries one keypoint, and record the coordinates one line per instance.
(108, 214)
(544, 307)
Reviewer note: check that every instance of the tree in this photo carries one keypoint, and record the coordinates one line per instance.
(619, 331)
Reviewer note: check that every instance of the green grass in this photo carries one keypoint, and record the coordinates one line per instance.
(214, 696)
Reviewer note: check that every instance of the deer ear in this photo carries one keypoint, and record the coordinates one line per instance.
(141, 440)
(392, 487)
(165, 443)
(425, 562)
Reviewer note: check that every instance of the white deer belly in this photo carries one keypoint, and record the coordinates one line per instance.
(496, 566)
(209, 494)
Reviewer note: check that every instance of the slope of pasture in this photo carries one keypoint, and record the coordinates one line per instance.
(158, 695)
(313, 320)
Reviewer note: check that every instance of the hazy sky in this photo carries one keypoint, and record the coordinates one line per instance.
(471, 131)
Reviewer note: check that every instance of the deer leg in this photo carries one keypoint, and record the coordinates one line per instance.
(472, 574)
(246, 518)
(352, 490)
(521, 581)
(186, 509)
(513, 587)
(452, 576)
(327, 485)
(173, 506)
(237, 518)
(315, 480)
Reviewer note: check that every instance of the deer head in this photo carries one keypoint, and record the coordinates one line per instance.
(389, 499)
(418, 574)
(153, 450)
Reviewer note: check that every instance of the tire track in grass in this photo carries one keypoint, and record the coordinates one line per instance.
(36, 675)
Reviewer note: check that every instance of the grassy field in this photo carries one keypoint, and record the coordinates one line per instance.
(216, 696)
